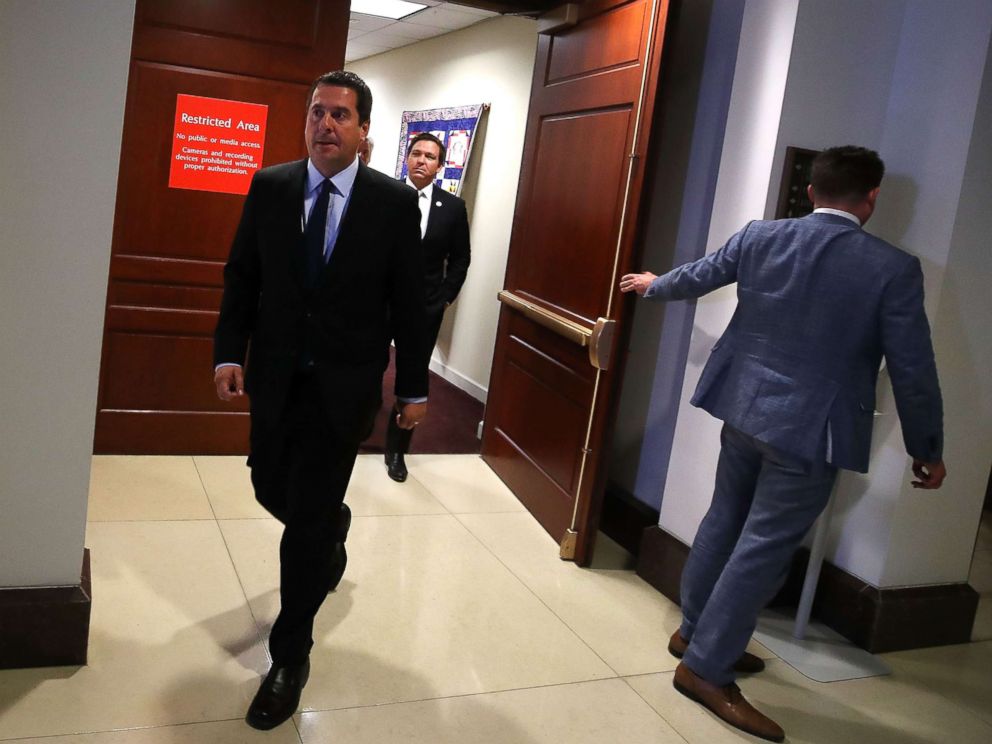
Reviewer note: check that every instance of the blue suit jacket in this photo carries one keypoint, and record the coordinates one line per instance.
(820, 302)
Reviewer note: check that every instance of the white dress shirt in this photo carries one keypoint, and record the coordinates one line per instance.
(344, 182)
(839, 213)
(424, 202)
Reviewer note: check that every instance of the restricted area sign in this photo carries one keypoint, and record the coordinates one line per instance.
(216, 144)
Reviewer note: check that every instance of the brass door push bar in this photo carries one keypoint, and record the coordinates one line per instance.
(599, 338)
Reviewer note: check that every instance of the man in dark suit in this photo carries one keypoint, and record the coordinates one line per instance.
(325, 267)
(444, 227)
(820, 303)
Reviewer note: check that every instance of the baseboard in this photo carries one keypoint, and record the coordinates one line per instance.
(877, 620)
(46, 626)
(880, 620)
(625, 517)
(660, 561)
(459, 380)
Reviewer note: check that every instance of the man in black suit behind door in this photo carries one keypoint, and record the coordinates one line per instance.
(324, 269)
(446, 251)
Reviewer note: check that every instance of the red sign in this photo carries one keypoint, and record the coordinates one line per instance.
(216, 144)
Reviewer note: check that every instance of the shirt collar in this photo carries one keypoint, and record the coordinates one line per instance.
(344, 181)
(838, 213)
(424, 191)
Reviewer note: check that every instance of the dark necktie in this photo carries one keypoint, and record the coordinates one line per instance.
(313, 235)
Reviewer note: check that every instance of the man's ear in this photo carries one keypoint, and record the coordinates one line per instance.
(810, 194)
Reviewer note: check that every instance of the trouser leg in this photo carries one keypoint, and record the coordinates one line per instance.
(316, 467)
(397, 439)
(788, 497)
(736, 475)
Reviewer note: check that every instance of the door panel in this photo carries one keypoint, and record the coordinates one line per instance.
(588, 217)
(555, 376)
(170, 245)
(607, 40)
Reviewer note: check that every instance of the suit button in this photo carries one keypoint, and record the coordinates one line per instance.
(309, 315)
(311, 364)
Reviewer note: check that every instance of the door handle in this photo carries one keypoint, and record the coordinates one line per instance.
(601, 343)
(571, 330)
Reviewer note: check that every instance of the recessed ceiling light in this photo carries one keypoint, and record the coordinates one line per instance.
(394, 9)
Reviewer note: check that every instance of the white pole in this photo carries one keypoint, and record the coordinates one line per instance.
(813, 570)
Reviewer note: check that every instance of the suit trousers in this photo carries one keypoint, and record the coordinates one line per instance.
(764, 503)
(397, 439)
(301, 480)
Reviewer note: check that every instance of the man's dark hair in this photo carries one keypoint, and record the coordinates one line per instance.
(442, 150)
(846, 173)
(344, 79)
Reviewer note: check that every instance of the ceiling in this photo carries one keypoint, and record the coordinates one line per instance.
(368, 35)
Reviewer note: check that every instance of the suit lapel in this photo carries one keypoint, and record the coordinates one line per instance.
(288, 219)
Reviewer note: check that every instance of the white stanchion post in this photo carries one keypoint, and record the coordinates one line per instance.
(813, 570)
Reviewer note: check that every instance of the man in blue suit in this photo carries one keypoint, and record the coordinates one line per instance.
(820, 303)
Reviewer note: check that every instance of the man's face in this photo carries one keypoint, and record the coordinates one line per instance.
(333, 130)
(423, 163)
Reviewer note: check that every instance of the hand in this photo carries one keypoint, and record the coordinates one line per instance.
(230, 382)
(637, 282)
(410, 414)
(931, 474)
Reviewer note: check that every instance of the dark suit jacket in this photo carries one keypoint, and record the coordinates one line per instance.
(446, 248)
(820, 302)
(370, 290)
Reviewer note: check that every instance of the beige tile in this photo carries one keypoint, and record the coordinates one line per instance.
(585, 713)
(171, 639)
(625, 620)
(220, 732)
(982, 629)
(227, 481)
(423, 611)
(880, 710)
(372, 492)
(130, 487)
(463, 483)
(961, 673)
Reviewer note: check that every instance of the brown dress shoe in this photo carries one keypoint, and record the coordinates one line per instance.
(727, 704)
(747, 664)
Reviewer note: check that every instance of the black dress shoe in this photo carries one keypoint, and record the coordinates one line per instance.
(395, 466)
(278, 697)
(339, 556)
(339, 560)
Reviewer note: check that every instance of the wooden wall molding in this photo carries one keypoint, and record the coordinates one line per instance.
(877, 620)
(46, 626)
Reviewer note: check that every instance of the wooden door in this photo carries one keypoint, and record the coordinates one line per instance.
(555, 372)
(169, 245)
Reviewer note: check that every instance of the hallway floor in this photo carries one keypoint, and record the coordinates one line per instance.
(455, 622)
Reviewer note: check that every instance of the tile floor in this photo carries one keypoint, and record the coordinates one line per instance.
(455, 623)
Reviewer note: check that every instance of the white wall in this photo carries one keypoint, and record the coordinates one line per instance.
(902, 76)
(683, 165)
(745, 168)
(63, 72)
(491, 62)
